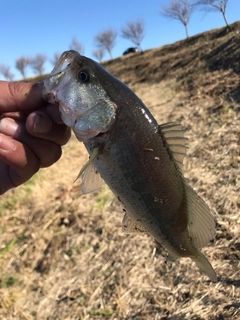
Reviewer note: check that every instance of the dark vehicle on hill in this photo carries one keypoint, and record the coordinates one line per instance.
(130, 50)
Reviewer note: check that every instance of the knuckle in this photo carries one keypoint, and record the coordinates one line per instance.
(53, 155)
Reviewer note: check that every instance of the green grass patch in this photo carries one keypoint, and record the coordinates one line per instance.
(8, 246)
(30, 183)
(82, 300)
(20, 196)
(7, 281)
(101, 312)
(102, 198)
(228, 108)
(101, 201)
(8, 204)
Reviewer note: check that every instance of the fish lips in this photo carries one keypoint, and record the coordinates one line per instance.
(64, 61)
(54, 83)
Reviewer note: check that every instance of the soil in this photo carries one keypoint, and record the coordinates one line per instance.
(63, 255)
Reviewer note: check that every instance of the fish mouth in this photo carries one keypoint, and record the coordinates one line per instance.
(52, 92)
(52, 84)
(85, 116)
(64, 61)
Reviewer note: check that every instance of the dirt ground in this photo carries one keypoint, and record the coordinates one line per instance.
(64, 256)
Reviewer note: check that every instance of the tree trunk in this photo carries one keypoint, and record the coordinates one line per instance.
(225, 18)
(110, 53)
(186, 28)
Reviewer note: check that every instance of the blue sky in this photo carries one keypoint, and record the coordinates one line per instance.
(30, 27)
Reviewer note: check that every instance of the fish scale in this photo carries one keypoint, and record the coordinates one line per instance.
(139, 160)
(114, 162)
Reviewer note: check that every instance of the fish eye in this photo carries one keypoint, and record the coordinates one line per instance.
(84, 76)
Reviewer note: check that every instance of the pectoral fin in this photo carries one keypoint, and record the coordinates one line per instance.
(91, 179)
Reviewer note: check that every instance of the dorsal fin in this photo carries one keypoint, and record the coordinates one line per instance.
(201, 223)
(129, 225)
(173, 135)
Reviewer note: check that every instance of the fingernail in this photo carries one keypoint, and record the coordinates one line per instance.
(42, 125)
(9, 127)
(6, 143)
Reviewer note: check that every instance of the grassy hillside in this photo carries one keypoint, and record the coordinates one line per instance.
(64, 256)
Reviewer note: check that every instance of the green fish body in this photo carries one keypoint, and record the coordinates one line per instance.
(139, 160)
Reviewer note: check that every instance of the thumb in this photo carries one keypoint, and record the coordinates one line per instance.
(20, 96)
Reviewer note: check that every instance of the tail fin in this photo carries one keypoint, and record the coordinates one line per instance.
(204, 265)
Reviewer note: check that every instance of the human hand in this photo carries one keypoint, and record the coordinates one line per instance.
(31, 133)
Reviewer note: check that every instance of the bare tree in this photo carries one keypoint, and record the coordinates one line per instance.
(76, 45)
(214, 5)
(21, 65)
(179, 10)
(98, 54)
(5, 71)
(134, 31)
(106, 40)
(37, 63)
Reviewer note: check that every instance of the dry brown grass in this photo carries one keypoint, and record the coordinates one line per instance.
(64, 256)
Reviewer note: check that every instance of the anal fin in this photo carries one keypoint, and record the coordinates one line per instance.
(129, 225)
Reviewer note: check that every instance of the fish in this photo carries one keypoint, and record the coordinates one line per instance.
(140, 161)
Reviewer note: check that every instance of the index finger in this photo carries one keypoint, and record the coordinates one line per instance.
(20, 96)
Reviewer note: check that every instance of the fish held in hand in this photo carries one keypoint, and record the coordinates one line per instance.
(139, 160)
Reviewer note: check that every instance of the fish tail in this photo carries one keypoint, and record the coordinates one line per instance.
(204, 265)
